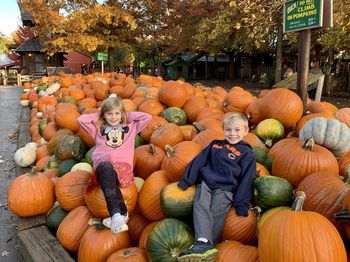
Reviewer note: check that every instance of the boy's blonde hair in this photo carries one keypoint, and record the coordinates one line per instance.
(109, 104)
(234, 116)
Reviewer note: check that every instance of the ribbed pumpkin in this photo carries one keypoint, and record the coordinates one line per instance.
(255, 141)
(30, 194)
(325, 193)
(98, 243)
(178, 157)
(270, 131)
(284, 105)
(296, 235)
(129, 105)
(137, 223)
(297, 160)
(208, 123)
(145, 234)
(239, 228)
(329, 133)
(261, 170)
(176, 202)
(189, 131)
(49, 131)
(149, 129)
(169, 133)
(168, 239)
(87, 139)
(73, 227)
(131, 254)
(66, 117)
(171, 94)
(266, 214)
(237, 100)
(70, 189)
(344, 162)
(149, 159)
(343, 115)
(308, 117)
(193, 107)
(210, 112)
(52, 144)
(236, 251)
(254, 113)
(321, 107)
(96, 202)
(149, 197)
(69, 147)
(205, 137)
(151, 106)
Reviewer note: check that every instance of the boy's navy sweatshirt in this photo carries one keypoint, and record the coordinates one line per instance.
(221, 165)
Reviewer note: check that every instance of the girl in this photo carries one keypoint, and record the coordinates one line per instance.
(114, 132)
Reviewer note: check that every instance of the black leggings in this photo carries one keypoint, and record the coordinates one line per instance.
(108, 180)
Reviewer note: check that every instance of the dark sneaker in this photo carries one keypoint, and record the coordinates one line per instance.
(198, 252)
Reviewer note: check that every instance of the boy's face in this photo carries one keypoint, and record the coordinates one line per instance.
(235, 131)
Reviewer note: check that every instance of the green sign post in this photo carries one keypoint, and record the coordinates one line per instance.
(101, 56)
(302, 14)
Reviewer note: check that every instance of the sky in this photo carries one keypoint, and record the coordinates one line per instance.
(9, 17)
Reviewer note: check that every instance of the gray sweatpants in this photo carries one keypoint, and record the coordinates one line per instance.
(209, 212)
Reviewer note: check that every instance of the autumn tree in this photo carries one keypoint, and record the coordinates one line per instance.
(83, 25)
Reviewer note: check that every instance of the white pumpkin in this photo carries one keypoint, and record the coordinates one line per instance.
(25, 156)
(113, 95)
(83, 166)
(32, 145)
(24, 102)
(330, 133)
(53, 88)
(43, 141)
(43, 93)
(39, 114)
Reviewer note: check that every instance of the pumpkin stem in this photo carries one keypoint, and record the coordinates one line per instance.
(32, 171)
(127, 253)
(198, 127)
(342, 216)
(299, 201)
(256, 211)
(97, 223)
(169, 150)
(309, 144)
(152, 149)
(268, 143)
(346, 178)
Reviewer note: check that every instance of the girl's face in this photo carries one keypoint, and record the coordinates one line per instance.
(235, 131)
(113, 117)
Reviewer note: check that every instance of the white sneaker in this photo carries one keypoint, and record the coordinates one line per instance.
(117, 223)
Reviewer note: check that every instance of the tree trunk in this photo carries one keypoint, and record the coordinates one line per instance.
(231, 65)
(111, 59)
(279, 53)
(327, 72)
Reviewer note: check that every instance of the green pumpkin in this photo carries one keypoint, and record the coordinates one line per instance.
(70, 147)
(272, 191)
(168, 239)
(175, 115)
(139, 141)
(68, 99)
(270, 131)
(40, 87)
(41, 126)
(88, 155)
(55, 217)
(262, 158)
(175, 202)
(65, 166)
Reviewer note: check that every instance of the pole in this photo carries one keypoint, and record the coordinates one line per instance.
(303, 65)
(102, 63)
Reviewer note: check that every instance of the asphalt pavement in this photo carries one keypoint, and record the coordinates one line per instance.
(10, 110)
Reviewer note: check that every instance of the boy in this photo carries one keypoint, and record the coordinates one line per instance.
(224, 172)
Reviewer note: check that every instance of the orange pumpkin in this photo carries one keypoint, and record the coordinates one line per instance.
(306, 118)
(167, 134)
(237, 100)
(171, 94)
(149, 198)
(98, 243)
(145, 233)
(236, 251)
(193, 107)
(132, 254)
(343, 115)
(72, 228)
(151, 106)
(30, 194)
(137, 223)
(149, 129)
(96, 202)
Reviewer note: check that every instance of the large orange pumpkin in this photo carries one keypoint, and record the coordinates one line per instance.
(96, 202)
(30, 194)
(193, 106)
(167, 134)
(137, 223)
(132, 254)
(171, 94)
(149, 129)
(72, 228)
(237, 100)
(236, 251)
(296, 235)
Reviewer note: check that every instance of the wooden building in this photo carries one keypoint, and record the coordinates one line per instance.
(78, 61)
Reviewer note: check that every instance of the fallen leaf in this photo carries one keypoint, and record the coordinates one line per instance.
(5, 253)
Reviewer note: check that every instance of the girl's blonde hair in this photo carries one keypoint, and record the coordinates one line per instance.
(234, 116)
(109, 104)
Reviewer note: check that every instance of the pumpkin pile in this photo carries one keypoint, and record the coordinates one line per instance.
(306, 154)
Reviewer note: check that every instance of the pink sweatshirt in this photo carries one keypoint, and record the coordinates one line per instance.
(116, 146)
